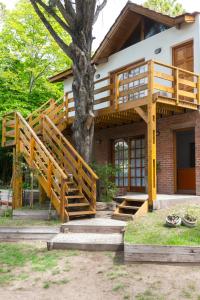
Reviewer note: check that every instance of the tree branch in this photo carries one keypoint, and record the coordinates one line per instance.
(99, 9)
(48, 26)
(49, 10)
(66, 12)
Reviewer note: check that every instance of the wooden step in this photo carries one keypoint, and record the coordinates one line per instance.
(81, 213)
(72, 190)
(69, 182)
(77, 205)
(74, 197)
(121, 216)
(128, 207)
(134, 200)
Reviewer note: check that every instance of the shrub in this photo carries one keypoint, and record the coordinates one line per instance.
(107, 188)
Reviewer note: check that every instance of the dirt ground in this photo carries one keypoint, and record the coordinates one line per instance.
(103, 276)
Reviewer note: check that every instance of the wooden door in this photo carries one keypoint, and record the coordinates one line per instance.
(185, 148)
(183, 56)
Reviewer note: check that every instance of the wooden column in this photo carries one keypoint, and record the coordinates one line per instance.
(152, 182)
(17, 172)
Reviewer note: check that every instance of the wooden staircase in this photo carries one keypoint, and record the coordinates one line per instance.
(130, 208)
(67, 180)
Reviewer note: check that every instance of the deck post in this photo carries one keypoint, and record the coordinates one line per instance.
(17, 172)
(152, 182)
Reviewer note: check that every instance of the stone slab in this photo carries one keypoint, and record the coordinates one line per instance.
(96, 225)
(87, 241)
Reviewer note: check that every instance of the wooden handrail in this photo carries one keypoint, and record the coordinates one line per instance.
(174, 68)
(48, 154)
(66, 142)
(71, 161)
(52, 177)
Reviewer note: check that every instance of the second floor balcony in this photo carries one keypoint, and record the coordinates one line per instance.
(171, 87)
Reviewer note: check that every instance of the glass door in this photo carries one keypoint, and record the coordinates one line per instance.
(137, 164)
(121, 155)
(129, 159)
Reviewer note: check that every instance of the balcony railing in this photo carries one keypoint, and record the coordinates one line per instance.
(149, 78)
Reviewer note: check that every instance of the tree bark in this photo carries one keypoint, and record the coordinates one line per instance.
(83, 91)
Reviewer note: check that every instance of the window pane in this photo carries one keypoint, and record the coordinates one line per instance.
(138, 162)
(125, 181)
(138, 182)
(138, 172)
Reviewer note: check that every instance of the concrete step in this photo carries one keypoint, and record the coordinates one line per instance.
(97, 225)
(87, 241)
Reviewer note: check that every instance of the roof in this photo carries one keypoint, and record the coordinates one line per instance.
(119, 32)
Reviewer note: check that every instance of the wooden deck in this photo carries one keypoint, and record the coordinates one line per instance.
(149, 90)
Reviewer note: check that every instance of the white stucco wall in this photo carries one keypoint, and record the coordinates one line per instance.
(165, 40)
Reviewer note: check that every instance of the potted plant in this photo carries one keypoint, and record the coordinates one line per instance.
(189, 220)
(173, 220)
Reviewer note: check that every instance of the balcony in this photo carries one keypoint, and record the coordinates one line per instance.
(118, 97)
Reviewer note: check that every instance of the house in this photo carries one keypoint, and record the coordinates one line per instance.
(147, 97)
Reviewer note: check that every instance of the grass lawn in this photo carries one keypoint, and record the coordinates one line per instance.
(151, 229)
(27, 258)
(8, 221)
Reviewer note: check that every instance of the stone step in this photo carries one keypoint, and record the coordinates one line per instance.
(96, 225)
(87, 241)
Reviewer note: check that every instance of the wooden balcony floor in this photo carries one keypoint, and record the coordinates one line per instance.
(126, 114)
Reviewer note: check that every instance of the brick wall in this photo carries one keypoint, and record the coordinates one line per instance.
(165, 145)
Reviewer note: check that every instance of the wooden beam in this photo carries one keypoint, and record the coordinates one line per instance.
(142, 113)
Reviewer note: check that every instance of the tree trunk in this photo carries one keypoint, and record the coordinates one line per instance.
(83, 91)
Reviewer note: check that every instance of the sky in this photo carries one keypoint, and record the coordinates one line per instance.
(112, 10)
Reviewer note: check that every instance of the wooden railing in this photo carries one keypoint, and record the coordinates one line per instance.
(176, 83)
(8, 130)
(50, 175)
(131, 84)
(70, 161)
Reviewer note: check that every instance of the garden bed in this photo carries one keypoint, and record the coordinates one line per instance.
(148, 239)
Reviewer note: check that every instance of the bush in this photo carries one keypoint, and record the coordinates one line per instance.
(107, 188)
